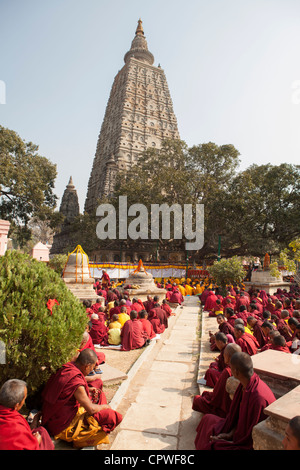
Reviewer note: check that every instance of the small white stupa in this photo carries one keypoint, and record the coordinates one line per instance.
(77, 276)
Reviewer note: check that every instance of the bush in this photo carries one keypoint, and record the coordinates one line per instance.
(36, 342)
(58, 262)
(227, 272)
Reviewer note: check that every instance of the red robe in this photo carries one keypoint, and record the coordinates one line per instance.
(246, 410)
(60, 406)
(216, 402)
(132, 335)
(90, 345)
(99, 333)
(15, 433)
(210, 302)
(158, 326)
(248, 344)
(167, 309)
(176, 298)
(161, 314)
(147, 327)
(215, 369)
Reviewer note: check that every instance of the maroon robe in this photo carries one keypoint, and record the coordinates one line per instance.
(99, 332)
(216, 402)
(16, 434)
(215, 369)
(90, 345)
(60, 406)
(132, 335)
(259, 334)
(210, 302)
(167, 309)
(161, 314)
(147, 328)
(248, 344)
(246, 410)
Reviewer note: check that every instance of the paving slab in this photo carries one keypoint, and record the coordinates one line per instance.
(136, 440)
(159, 415)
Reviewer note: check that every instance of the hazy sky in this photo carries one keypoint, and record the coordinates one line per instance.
(232, 66)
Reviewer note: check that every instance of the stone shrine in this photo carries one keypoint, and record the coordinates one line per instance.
(140, 284)
(77, 276)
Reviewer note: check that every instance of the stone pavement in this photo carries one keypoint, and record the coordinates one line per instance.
(156, 399)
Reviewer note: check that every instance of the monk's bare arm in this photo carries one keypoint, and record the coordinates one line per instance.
(82, 397)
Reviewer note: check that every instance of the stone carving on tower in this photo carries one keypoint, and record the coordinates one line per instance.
(139, 115)
(69, 208)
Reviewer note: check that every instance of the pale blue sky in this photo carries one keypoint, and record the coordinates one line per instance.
(231, 66)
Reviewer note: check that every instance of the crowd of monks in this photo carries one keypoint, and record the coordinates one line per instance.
(247, 324)
(74, 405)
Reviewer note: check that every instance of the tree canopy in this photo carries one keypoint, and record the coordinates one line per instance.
(26, 184)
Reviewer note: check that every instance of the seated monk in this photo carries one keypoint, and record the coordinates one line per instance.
(158, 326)
(277, 343)
(176, 297)
(255, 324)
(291, 439)
(15, 431)
(132, 334)
(161, 314)
(87, 343)
(114, 322)
(123, 316)
(147, 325)
(98, 331)
(248, 342)
(68, 412)
(215, 368)
(234, 432)
(218, 401)
(165, 306)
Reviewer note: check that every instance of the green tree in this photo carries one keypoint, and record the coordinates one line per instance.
(37, 342)
(260, 210)
(227, 271)
(26, 184)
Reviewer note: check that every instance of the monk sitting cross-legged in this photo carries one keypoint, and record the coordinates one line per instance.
(218, 401)
(132, 334)
(252, 396)
(68, 412)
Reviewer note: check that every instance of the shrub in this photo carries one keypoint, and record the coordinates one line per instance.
(37, 342)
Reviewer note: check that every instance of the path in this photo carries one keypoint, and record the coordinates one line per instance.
(156, 403)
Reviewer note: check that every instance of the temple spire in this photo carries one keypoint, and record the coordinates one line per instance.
(139, 29)
(139, 47)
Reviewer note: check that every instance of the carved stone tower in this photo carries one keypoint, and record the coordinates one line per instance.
(69, 208)
(139, 115)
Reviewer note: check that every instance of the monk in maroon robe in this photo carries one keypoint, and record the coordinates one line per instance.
(216, 367)
(218, 401)
(132, 334)
(256, 324)
(234, 432)
(158, 326)
(246, 341)
(210, 302)
(67, 390)
(99, 331)
(146, 324)
(15, 431)
(166, 307)
(161, 314)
